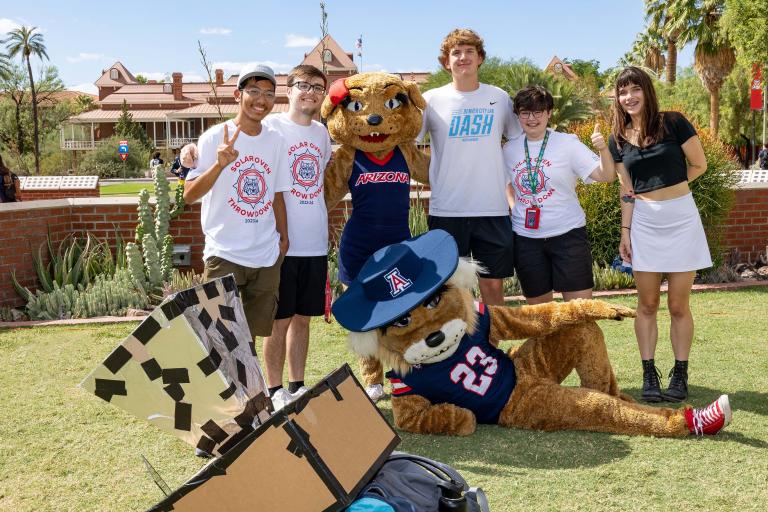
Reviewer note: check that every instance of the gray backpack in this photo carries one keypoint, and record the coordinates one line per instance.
(429, 485)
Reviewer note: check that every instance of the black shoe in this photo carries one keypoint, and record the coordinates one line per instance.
(202, 454)
(651, 382)
(677, 391)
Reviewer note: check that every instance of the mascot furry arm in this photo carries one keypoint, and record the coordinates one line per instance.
(374, 113)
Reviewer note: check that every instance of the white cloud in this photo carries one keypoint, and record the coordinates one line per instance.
(297, 41)
(216, 31)
(234, 68)
(371, 68)
(84, 87)
(7, 25)
(154, 75)
(85, 56)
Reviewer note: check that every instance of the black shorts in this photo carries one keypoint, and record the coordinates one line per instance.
(302, 286)
(489, 240)
(561, 263)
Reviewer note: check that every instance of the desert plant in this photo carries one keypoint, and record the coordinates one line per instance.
(181, 281)
(608, 278)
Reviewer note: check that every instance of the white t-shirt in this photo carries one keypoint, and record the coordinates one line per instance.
(308, 150)
(237, 213)
(466, 170)
(565, 160)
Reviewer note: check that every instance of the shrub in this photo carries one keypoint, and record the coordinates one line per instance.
(105, 162)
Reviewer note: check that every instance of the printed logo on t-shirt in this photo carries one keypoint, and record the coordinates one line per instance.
(250, 187)
(532, 186)
(469, 124)
(305, 158)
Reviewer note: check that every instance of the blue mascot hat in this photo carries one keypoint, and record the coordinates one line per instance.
(396, 279)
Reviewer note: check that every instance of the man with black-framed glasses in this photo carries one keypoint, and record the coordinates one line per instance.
(240, 176)
(305, 268)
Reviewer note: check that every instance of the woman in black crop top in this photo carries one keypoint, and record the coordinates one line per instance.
(656, 155)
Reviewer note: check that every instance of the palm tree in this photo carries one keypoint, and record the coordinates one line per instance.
(647, 51)
(5, 66)
(26, 42)
(669, 19)
(714, 56)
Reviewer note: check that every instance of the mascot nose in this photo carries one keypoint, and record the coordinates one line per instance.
(375, 119)
(435, 339)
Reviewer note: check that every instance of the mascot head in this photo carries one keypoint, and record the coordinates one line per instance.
(411, 302)
(373, 111)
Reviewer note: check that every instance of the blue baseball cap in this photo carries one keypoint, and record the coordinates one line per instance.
(396, 279)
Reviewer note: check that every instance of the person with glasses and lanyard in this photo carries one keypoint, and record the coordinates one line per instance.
(305, 268)
(240, 174)
(552, 252)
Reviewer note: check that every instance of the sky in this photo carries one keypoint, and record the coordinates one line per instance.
(156, 38)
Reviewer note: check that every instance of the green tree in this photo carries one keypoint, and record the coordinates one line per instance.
(26, 42)
(745, 23)
(5, 65)
(668, 19)
(84, 103)
(127, 128)
(511, 76)
(647, 51)
(141, 79)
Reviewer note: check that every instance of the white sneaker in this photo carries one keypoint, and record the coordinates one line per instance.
(375, 392)
(300, 391)
(281, 398)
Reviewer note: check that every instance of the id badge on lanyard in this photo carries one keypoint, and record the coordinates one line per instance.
(533, 212)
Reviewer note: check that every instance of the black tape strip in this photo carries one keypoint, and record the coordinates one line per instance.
(232, 441)
(227, 312)
(252, 344)
(300, 441)
(183, 416)
(336, 394)
(187, 298)
(211, 292)
(228, 392)
(152, 369)
(229, 283)
(211, 363)
(175, 375)
(229, 338)
(171, 310)
(117, 359)
(214, 431)
(175, 391)
(146, 330)
(262, 402)
(205, 318)
(107, 388)
(245, 418)
(206, 444)
(241, 375)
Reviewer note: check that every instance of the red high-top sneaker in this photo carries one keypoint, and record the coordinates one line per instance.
(711, 419)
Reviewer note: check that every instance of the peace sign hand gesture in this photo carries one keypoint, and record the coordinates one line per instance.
(226, 152)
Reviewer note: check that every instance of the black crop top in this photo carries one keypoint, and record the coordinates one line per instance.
(659, 165)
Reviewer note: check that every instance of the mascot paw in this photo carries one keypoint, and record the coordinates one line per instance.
(625, 397)
(621, 312)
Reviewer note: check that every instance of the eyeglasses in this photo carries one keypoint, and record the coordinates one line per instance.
(306, 87)
(527, 114)
(256, 93)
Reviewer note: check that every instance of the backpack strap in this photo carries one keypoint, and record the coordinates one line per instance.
(437, 468)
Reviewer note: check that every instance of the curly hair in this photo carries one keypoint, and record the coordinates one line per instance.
(458, 37)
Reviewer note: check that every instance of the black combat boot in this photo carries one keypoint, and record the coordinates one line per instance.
(651, 383)
(678, 382)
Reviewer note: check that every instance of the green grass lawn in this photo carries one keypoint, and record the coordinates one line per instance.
(131, 188)
(64, 449)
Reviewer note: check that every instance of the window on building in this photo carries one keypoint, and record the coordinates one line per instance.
(327, 56)
(167, 88)
(113, 74)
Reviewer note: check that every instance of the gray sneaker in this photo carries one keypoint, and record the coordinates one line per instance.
(281, 398)
(375, 392)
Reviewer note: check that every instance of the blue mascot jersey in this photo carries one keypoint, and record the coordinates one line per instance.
(478, 376)
(380, 191)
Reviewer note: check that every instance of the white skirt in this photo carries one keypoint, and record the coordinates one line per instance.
(667, 236)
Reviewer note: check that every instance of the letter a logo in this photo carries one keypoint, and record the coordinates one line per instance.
(397, 283)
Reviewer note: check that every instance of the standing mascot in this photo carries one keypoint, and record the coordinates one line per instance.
(411, 308)
(376, 118)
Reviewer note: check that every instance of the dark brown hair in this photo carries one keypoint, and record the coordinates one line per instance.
(3, 168)
(652, 129)
(305, 71)
(458, 37)
(533, 98)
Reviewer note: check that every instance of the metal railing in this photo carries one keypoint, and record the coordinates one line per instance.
(79, 144)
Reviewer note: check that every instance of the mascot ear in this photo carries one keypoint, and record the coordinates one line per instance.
(415, 95)
(365, 344)
(465, 275)
(336, 94)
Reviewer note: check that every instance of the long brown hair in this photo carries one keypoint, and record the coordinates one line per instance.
(652, 129)
(3, 168)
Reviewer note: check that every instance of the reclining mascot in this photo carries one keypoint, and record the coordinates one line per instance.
(411, 308)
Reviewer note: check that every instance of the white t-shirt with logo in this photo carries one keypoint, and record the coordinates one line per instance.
(466, 170)
(307, 152)
(237, 214)
(552, 186)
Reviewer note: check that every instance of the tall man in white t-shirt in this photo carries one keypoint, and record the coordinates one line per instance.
(466, 120)
(303, 273)
(240, 176)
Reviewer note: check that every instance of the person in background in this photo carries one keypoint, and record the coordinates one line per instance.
(156, 160)
(10, 188)
(762, 157)
(657, 154)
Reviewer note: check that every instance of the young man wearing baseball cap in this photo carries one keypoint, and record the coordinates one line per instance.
(240, 176)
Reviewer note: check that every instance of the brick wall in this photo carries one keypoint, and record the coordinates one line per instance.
(33, 195)
(747, 226)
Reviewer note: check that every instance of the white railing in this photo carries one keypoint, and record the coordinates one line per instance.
(178, 142)
(79, 144)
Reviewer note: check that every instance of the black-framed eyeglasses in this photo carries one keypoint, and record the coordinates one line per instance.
(255, 92)
(306, 87)
(528, 114)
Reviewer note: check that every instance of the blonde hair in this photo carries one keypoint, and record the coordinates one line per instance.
(458, 37)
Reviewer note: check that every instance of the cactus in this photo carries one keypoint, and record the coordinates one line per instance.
(162, 205)
(166, 258)
(178, 206)
(136, 264)
(152, 261)
(146, 224)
